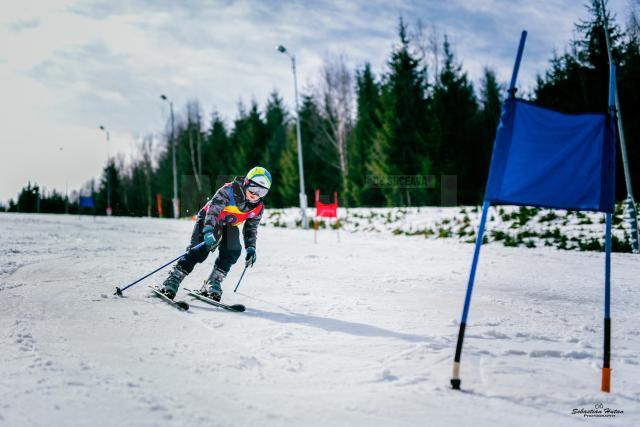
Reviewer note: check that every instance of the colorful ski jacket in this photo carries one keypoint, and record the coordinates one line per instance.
(229, 206)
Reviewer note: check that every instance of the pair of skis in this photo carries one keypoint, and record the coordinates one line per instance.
(183, 305)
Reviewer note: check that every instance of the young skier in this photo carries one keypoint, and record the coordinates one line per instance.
(236, 202)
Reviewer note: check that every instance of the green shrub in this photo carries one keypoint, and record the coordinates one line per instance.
(444, 232)
(618, 245)
(590, 245)
(585, 221)
(525, 214)
(548, 217)
(498, 235)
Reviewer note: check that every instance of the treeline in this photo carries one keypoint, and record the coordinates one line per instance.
(33, 199)
(393, 139)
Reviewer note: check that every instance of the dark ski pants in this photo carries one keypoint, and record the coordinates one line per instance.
(229, 248)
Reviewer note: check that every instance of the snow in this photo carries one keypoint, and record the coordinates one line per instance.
(359, 331)
(507, 225)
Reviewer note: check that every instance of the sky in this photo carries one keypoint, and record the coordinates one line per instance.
(67, 67)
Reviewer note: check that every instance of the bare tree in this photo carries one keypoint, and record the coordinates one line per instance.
(147, 150)
(194, 125)
(337, 100)
(633, 22)
(426, 41)
(120, 163)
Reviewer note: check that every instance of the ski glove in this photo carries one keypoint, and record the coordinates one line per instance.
(209, 238)
(251, 256)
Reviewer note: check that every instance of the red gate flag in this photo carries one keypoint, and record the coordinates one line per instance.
(327, 210)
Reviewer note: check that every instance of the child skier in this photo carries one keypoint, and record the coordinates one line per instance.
(236, 202)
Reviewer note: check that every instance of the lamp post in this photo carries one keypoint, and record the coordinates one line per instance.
(303, 196)
(109, 210)
(175, 200)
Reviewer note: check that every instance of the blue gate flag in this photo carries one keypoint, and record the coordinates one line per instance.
(86, 202)
(549, 159)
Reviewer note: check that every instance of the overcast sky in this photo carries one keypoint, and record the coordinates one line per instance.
(67, 67)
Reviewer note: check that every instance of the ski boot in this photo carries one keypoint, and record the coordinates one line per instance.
(212, 288)
(172, 283)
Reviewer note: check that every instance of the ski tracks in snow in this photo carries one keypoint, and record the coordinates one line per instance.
(360, 332)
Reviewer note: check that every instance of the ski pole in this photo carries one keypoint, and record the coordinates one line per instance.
(119, 291)
(241, 276)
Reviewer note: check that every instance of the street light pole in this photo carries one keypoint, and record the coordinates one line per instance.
(66, 190)
(109, 210)
(176, 201)
(303, 195)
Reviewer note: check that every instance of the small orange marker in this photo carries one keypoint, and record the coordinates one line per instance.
(606, 380)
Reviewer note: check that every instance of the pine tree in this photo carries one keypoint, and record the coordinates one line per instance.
(289, 185)
(28, 198)
(249, 139)
(218, 152)
(361, 143)
(400, 146)
(578, 81)
(320, 158)
(491, 105)
(112, 176)
(454, 135)
(276, 134)
(629, 93)
(135, 187)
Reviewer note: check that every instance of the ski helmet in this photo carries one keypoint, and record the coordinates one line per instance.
(258, 181)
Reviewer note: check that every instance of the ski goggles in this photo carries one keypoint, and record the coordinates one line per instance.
(257, 190)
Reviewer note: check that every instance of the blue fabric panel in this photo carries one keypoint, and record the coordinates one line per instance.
(86, 202)
(500, 151)
(608, 178)
(549, 159)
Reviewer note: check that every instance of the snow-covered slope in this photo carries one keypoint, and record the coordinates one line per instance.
(356, 332)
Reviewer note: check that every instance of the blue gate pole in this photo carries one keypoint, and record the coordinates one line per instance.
(606, 362)
(516, 66)
(455, 379)
(612, 88)
(606, 359)
(614, 105)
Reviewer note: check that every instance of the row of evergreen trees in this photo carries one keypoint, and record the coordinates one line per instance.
(386, 140)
